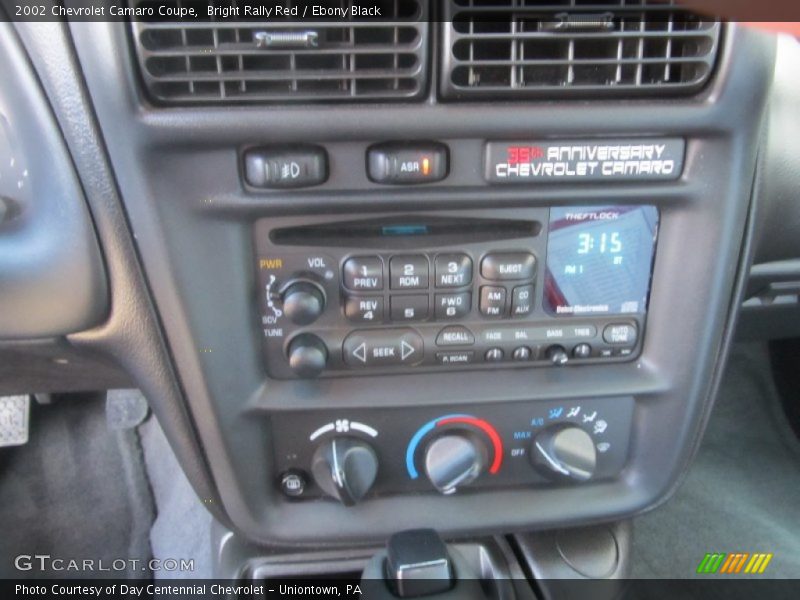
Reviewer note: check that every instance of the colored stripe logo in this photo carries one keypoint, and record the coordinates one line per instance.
(734, 563)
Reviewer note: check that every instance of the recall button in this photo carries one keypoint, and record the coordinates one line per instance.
(383, 347)
(508, 266)
(620, 333)
(455, 335)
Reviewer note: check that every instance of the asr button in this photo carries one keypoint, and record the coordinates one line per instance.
(288, 167)
(399, 163)
(508, 266)
(383, 347)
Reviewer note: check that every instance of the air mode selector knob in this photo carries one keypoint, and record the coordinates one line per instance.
(303, 301)
(454, 460)
(308, 355)
(345, 468)
(564, 452)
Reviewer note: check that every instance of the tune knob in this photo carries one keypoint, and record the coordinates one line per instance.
(453, 460)
(564, 451)
(345, 468)
(303, 301)
(307, 355)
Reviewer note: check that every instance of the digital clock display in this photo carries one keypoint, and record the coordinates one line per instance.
(599, 259)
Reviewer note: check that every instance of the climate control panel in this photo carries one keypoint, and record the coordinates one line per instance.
(351, 455)
(409, 294)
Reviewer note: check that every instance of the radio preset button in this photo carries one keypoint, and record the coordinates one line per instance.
(620, 334)
(463, 357)
(453, 270)
(383, 347)
(455, 335)
(508, 266)
(364, 309)
(494, 355)
(493, 301)
(452, 306)
(408, 272)
(409, 308)
(522, 300)
(364, 273)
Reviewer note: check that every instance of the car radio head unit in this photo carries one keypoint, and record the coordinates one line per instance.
(405, 293)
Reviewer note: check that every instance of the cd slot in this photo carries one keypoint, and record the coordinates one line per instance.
(405, 232)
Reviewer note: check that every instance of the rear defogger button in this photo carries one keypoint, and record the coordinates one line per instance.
(383, 347)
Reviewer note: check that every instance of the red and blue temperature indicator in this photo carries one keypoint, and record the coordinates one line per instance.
(456, 419)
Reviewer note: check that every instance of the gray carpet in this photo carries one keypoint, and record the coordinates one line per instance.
(182, 529)
(77, 490)
(742, 494)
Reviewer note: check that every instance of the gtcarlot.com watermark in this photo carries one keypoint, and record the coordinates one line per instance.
(46, 562)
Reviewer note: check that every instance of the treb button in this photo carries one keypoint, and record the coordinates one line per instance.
(508, 266)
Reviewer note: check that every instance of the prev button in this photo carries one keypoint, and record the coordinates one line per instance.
(383, 347)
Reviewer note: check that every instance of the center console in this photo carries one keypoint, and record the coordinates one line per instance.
(437, 311)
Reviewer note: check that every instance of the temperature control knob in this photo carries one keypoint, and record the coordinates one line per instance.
(307, 355)
(453, 460)
(303, 301)
(345, 468)
(564, 451)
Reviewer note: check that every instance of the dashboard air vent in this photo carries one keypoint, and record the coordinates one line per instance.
(575, 48)
(237, 57)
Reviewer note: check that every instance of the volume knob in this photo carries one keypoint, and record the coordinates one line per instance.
(303, 301)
